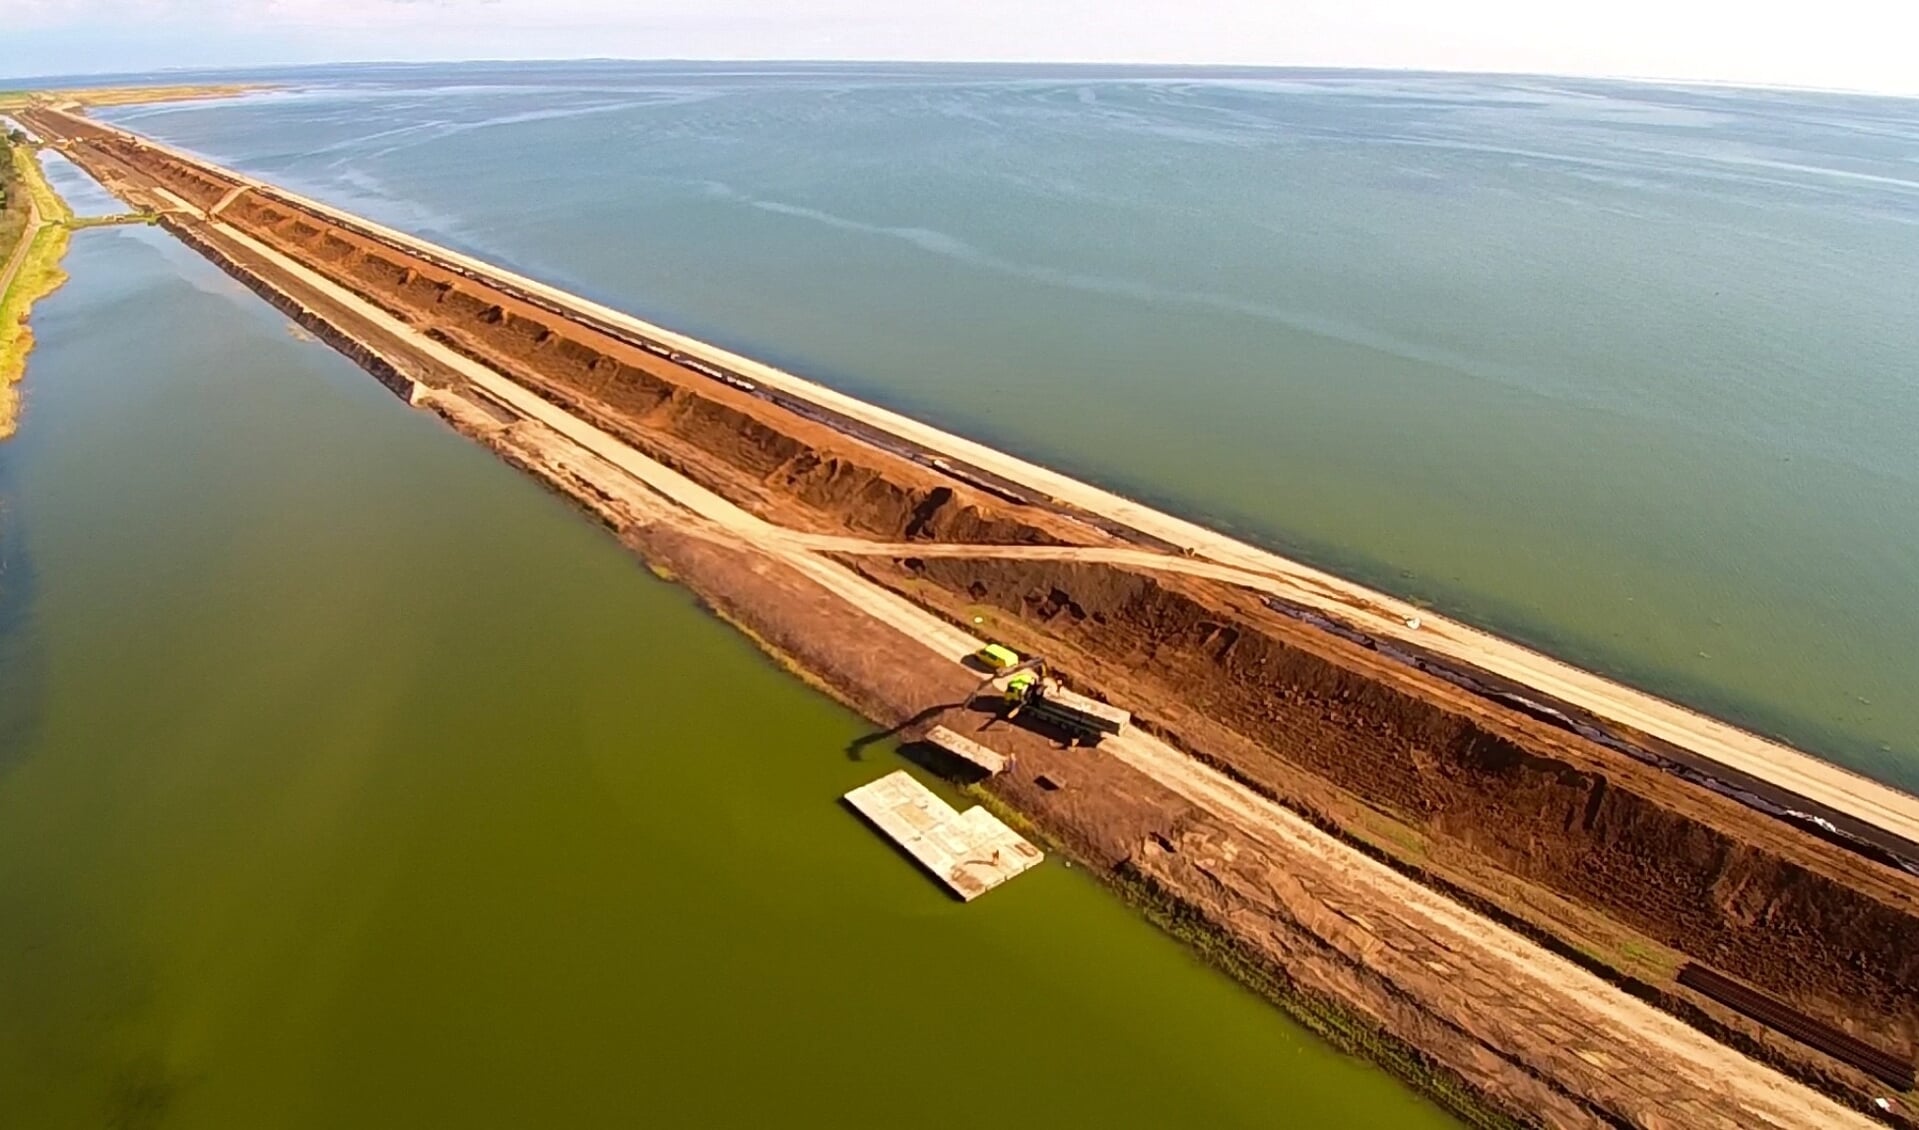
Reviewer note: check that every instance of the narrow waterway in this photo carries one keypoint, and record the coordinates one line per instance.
(82, 193)
(348, 779)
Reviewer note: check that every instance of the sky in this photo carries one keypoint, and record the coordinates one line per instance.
(1870, 45)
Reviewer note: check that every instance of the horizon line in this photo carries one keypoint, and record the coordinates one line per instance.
(1644, 80)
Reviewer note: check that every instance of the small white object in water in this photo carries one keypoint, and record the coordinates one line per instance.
(979, 619)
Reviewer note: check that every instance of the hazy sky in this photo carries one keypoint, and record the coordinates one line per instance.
(1851, 44)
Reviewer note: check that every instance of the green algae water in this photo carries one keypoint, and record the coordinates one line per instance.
(1622, 371)
(349, 779)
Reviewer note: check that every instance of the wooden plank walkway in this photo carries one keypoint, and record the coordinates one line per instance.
(971, 852)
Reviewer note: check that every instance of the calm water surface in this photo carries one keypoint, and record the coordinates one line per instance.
(349, 779)
(1622, 371)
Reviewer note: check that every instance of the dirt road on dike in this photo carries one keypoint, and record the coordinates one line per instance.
(1601, 1024)
(20, 249)
(1875, 805)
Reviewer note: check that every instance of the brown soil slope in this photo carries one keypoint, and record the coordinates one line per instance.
(1480, 785)
(1553, 830)
(728, 440)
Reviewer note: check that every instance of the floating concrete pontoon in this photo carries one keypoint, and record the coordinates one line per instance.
(966, 749)
(971, 852)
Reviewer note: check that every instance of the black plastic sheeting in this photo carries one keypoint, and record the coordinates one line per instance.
(1574, 720)
(1777, 1014)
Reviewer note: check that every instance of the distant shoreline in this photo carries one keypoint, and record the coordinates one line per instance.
(126, 95)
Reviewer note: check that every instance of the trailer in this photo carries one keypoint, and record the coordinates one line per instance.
(1087, 720)
(1028, 688)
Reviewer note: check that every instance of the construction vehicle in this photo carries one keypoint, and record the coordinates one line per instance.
(1028, 688)
(997, 657)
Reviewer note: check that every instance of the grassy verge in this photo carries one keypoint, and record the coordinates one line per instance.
(40, 275)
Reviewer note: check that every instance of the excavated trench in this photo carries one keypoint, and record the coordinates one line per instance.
(1555, 829)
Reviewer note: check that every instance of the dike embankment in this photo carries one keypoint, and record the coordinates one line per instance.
(1488, 898)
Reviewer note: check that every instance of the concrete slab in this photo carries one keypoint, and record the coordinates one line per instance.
(966, 749)
(971, 852)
